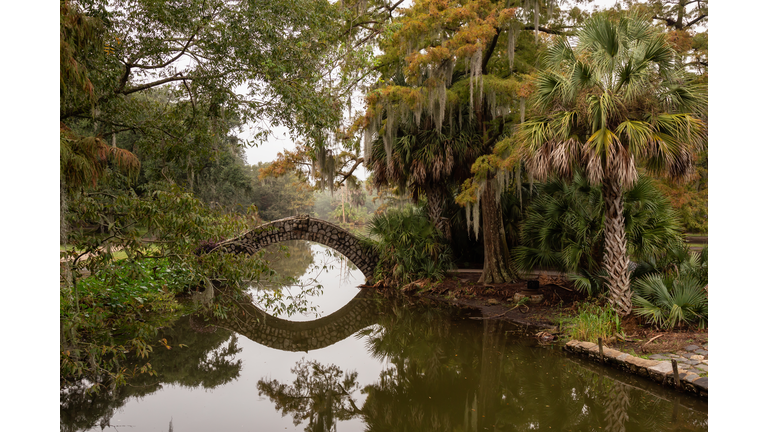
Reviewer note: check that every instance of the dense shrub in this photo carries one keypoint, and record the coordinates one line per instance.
(671, 301)
(563, 228)
(409, 246)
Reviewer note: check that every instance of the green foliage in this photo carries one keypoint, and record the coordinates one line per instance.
(409, 246)
(594, 321)
(124, 282)
(678, 261)
(563, 228)
(691, 200)
(115, 313)
(279, 197)
(668, 301)
(277, 51)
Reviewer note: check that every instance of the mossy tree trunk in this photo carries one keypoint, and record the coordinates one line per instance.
(496, 262)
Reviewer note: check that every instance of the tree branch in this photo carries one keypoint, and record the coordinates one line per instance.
(489, 51)
(177, 77)
(696, 20)
(346, 175)
(550, 31)
(178, 56)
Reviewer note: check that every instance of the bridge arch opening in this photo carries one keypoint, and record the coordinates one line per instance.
(306, 228)
(313, 279)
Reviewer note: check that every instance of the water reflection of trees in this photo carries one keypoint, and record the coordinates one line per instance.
(446, 376)
(321, 395)
(297, 270)
(452, 374)
(207, 361)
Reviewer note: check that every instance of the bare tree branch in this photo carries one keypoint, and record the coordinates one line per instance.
(696, 20)
(349, 173)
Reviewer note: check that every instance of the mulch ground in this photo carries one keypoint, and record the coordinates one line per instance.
(560, 299)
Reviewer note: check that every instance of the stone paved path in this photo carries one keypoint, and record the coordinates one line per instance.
(693, 359)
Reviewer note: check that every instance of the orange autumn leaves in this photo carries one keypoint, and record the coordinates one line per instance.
(421, 38)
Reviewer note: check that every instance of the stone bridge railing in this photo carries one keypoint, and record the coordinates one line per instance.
(306, 228)
(262, 328)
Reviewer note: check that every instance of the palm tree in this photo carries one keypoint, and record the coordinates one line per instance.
(425, 162)
(614, 98)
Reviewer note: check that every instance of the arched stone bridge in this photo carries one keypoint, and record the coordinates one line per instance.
(262, 328)
(306, 228)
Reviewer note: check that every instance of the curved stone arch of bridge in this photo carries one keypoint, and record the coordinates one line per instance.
(306, 228)
(267, 330)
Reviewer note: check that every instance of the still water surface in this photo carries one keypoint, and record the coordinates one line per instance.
(360, 362)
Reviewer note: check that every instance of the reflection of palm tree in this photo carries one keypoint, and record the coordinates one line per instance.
(616, 409)
(320, 395)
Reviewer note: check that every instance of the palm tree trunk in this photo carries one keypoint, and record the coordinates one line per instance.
(615, 257)
(435, 204)
(496, 254)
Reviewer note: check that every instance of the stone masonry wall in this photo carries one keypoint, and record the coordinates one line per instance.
(659, 371)
(306, 228)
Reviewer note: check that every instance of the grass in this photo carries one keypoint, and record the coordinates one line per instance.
(593, 321)
(116, 256)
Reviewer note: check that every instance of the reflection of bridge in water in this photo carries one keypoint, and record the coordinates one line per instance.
(262, 328)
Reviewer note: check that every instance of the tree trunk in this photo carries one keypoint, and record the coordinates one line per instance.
(496, 260)
(435, 204)
(615, 257)
(343, 213)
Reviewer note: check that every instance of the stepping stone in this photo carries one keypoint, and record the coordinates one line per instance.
(692, 347)
(703, 367)
(688, 355)
(701, 351)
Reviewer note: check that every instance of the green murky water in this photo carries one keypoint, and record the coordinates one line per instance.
(372, 364)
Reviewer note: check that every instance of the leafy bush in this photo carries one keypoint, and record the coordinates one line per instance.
(563, 228)
(678, 261)
(669, 301)
(409, 246)
(115, 313)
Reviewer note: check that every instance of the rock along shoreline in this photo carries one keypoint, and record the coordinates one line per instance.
(659, 371)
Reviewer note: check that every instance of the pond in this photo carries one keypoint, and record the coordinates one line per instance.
(364, 362)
